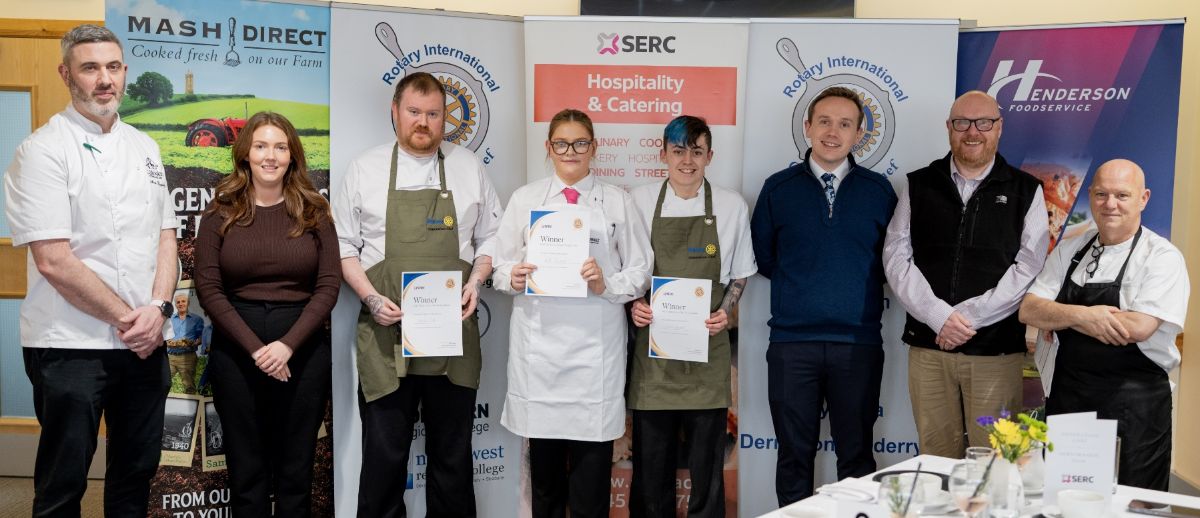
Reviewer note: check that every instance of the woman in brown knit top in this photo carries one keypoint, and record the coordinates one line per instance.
(268, 274)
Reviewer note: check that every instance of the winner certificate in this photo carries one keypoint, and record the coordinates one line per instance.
(558, 245)
(680, 308)
(432, 305)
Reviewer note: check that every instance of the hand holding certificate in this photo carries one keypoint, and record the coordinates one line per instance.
(432, 305)
(558, 245)
(680, 308)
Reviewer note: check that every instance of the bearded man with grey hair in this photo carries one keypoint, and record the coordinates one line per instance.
(87, 194)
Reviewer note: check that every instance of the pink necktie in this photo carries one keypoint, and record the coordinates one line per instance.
(572, 195)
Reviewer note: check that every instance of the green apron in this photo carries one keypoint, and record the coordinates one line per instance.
(421, 235)
(683, 247)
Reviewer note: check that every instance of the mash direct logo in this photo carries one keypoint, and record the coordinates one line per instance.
(636, 43)
(467, 112)
(189, 41)
(1032, 90)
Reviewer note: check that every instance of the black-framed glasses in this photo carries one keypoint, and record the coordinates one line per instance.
(1092, 266)
(580, 146)
(984, 124)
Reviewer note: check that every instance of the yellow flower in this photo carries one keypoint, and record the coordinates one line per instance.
(1010, 434)
(995, 443)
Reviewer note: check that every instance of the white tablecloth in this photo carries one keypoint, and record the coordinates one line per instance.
(943, 465)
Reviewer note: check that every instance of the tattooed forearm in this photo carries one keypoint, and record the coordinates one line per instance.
(733, 293)
(374, 303)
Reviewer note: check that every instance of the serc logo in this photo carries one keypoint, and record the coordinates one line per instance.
(641, 44)
(607, 43)
(1027, 78)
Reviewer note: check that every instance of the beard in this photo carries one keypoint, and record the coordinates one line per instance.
(91, 105)
(422, 147)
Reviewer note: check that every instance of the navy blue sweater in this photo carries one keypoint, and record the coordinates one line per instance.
(826, 271)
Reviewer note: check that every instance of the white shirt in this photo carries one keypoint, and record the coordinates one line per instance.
(839, 172)
(111, 203)
(1155, 283)
(567, 356)
(733, 223)
(987, 308)
(360, 206)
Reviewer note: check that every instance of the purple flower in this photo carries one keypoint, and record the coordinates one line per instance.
(1005, 414)
(985, 420)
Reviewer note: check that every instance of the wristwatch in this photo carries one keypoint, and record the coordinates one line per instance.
(163, 306)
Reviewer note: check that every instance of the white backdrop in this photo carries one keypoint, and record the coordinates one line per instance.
(478, 57)
(905, 70)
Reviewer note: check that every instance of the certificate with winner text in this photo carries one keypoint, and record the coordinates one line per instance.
(680, 308)
(432, 306)
(557, 244)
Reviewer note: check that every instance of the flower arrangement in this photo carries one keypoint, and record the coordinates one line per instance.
(1014, 438)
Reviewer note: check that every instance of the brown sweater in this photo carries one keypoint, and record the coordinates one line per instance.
(259, 262)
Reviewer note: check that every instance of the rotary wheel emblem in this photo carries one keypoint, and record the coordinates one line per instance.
(461, 114)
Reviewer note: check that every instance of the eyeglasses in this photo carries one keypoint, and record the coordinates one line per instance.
(980, 124)
(580, 146)
(1092, 266)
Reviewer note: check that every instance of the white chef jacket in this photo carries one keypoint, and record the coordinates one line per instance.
(360, 205)
(1155, 283)
(110, 202)
(733, 223)
(567, 356)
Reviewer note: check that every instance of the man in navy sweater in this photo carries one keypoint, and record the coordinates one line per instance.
(818, 231)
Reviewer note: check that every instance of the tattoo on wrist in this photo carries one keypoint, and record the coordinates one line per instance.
(733, 294)
(374, 303)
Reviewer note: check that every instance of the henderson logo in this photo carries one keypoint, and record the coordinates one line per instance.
(641, 44)
(1029, 98)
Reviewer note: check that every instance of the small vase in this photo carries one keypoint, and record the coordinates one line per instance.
(1033, 469)
(1007, 490)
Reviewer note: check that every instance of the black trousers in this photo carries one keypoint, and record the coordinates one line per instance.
(270, 427)
(656, 446)
(570, 474)
(801, 376)
(448, 411)
(71, 389)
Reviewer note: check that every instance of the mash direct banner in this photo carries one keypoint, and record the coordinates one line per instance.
(1075, 97)
(632, 76)
(478, 59)
(197, 71)
(903, 72)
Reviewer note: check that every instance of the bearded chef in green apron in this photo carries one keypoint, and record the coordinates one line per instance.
(416, 204)
(697, 231)
(1116, 297)
(567, 355)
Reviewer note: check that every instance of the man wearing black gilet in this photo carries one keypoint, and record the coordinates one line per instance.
(818, 230)
(968, 237)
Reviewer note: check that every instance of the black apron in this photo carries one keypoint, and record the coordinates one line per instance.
(1117, 382)
(421, 235)
(683, 247)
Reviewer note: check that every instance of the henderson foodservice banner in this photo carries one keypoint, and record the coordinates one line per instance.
(197, 70)
(478, 59)
(632, 76)
(1074, 97)
(904, 72)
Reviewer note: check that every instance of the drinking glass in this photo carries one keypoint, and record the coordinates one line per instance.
(968, 488)
(902, 497)
(979, 454)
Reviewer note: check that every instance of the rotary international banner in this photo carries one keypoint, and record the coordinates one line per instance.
(197, 71)
(477, 58)
(903, 71)
(1075, 97)
(632, 76)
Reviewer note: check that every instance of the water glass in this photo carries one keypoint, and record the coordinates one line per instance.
(901, 495)
(968, 488)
